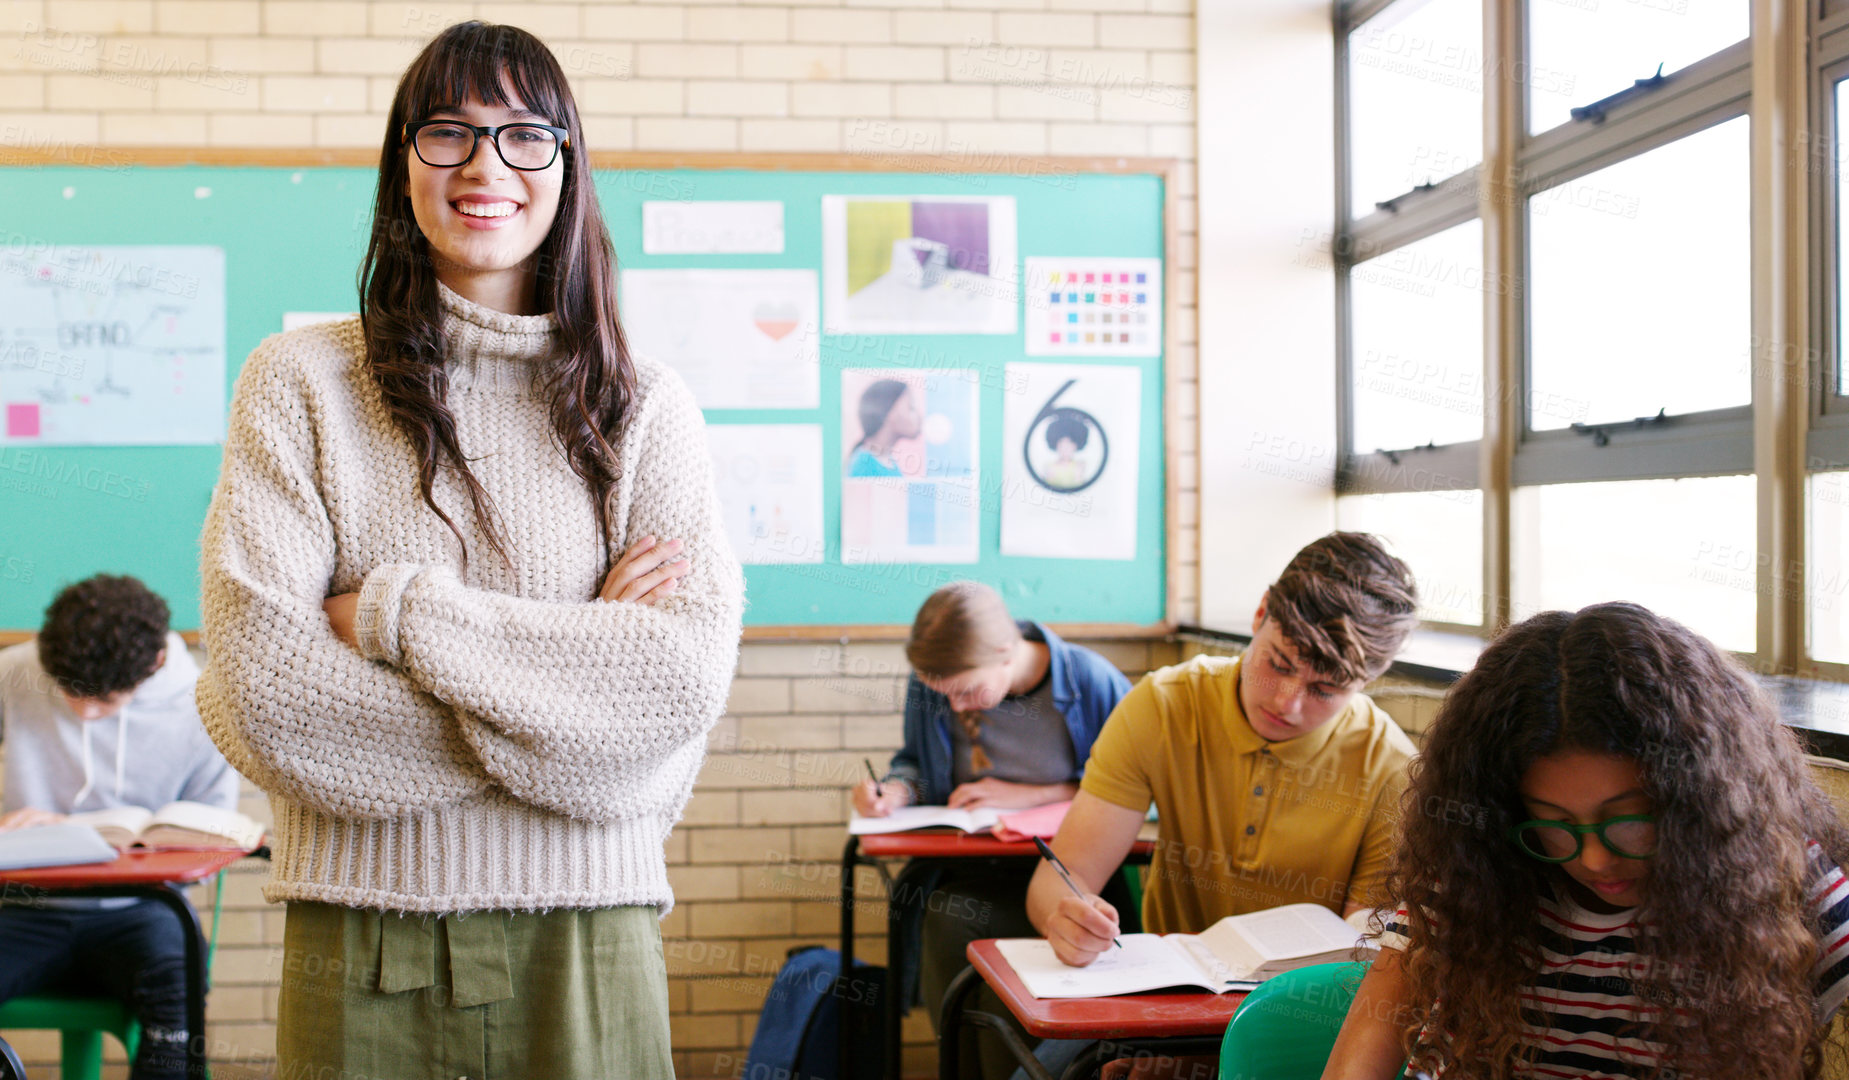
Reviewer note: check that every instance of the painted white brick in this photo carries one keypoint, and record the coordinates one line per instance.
(945, 101)
(23, 91)
(636, 97)
(251, 129)
(1006, 139)
(153, 129)
(218, 92)
(957, 28)
(206, 17)
(738, 24)
(124, 90)
(737, 98)
(1172, 67)
(609, 132)
(317, 94)
(366, 56)
(1173, 140)
(891, 62)
(419, 20)
(896, 3)
(264, 55)
(840, 99)
(790, 136)
(656, 133)
(88, 17)
(1096, 67)
(310, 18)
(1148, 103)
(1127, 139)
(843, 25)
(635, 22)
(687, 61)
(886, 138)
(588, 61)
(790, 61)
(1080, 30)
(1047, 101)
(1119, 6)
(544, 21)
(350, 129)
(1147, 31)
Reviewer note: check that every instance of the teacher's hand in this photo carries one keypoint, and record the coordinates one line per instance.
(647, 573)
(26, 817)
(340, 610)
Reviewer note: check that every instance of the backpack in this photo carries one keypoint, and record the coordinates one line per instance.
(799, 1029)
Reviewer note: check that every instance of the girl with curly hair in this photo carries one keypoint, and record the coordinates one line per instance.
(1612, 864)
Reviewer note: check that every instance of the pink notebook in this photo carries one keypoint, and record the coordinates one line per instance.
(1041, 821)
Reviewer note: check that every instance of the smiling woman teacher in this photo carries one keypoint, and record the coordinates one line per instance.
(470, 612)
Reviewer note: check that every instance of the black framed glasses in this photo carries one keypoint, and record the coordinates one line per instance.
(445, 144)
(1632, 836)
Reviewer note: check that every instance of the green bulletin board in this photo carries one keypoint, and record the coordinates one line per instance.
(292, 239)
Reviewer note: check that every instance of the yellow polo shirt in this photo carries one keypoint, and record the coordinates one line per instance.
(1247, 824)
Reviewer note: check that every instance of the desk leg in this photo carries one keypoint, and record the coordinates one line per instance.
(902, 893)
(175, 901)
(850, 858)
(957, 1013)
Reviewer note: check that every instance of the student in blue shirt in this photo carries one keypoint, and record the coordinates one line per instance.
(998, 714)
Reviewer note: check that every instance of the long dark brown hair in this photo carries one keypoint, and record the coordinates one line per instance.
(593, 381)
(1730, 940)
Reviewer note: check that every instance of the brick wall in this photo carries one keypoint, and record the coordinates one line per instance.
(755, 862)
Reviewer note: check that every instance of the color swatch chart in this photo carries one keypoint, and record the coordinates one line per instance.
(1093, 307)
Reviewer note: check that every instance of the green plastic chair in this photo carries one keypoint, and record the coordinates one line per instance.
(81, 1022)
(1285, 1029)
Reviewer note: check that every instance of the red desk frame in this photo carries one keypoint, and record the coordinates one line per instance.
(926, 850)
(1189, 1022)
(146, 875)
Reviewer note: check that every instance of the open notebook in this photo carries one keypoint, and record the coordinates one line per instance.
(1039, 821)
(1236, 953)
(176, 825)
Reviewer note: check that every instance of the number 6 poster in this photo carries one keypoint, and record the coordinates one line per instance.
(1070, 434)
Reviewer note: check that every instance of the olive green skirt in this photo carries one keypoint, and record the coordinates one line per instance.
(494, 995)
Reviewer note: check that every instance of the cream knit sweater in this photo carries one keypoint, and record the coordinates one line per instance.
(501, 740)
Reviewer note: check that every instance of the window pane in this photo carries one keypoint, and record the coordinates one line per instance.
(1826, 577)
(1640, 285)
(1842, 208)
(1415, 97)
(1416, 318)
(1584, 50)
(1440, 535)
(1674, 546)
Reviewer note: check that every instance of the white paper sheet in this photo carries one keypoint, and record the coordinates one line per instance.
(926, 264)
(743, 339)
(712, 227)
(769, 478)
(1070, 458)
(909, 465)
(121, 345)
(1093, 306)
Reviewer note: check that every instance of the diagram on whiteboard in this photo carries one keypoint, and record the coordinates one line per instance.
(119, 345)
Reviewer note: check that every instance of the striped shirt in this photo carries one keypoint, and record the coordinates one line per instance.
(1584, 996)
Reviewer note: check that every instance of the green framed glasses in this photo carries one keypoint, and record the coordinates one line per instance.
(1632, 836)
(445, 144)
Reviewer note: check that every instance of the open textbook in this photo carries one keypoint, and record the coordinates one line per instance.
(907, 818)
(176, 825)
(1236, 953)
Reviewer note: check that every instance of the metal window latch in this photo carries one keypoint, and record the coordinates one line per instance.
(1595, 112)
(1600, 432)
(1392, 206)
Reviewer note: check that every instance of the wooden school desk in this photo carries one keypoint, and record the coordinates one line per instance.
(1172, 1024)
(145, 875)
(927, 850)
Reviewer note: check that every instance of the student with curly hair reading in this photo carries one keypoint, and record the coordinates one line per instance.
(1613, 864)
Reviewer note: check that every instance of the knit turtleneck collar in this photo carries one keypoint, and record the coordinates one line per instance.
(492, 351)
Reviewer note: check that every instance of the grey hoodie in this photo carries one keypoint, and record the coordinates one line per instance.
(153, 752)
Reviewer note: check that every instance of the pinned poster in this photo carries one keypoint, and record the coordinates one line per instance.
(1070, 438)
(743, 339)
(1093, 307)
(908, 474)
(769, 478)
(113, 345)
(933, 264)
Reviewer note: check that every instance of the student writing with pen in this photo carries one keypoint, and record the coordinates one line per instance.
(997, 714)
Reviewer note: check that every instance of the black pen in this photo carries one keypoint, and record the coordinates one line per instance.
(878, 791)
(1047, 854)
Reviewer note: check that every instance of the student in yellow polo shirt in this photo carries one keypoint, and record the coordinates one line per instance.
(1276, 781)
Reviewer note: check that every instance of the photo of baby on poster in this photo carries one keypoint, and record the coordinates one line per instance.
(908, 471)
(1070, 435)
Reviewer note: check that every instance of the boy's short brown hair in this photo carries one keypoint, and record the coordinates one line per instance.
(102, 636)
(1346, 604)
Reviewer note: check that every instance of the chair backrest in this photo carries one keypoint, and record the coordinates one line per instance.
(1285, 1029)
(10, 1067)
